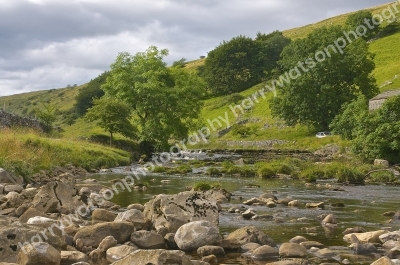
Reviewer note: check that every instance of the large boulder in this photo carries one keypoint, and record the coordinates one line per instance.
(148, 240)
(250, 234)
(155, 257)
(57, 197)
(13, 187)
(39, 253)
(169, 212)
(193, 235)
(7, 177)
(15, 235)
(91, 236)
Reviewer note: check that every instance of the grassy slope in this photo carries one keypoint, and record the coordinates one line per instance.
(33, 152)
(264, 126)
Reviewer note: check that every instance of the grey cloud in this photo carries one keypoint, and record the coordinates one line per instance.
(56, 43)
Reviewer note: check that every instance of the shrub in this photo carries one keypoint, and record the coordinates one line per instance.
(247, 171)
(182, 169)
(313, 173)
(214, 172)
(159, 169)
(382, 177)
(202, 186)
(266, 172)
(350, 175)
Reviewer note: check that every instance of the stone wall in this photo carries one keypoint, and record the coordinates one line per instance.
(263, 143)
(8, 120)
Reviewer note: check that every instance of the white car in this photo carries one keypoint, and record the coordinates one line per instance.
(323, 134)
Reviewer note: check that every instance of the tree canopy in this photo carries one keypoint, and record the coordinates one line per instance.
(111, 115)
(84, 99)
(320, 79)
(242, 62)
(164, 101)
(379, 134)
(360, 18)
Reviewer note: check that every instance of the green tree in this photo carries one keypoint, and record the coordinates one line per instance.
(316, 90)
(181, 63)
(47, 116)
(84, 99)
(270, 48)
(360, 18)
(379, 135)
(232, 66)
(164, 101)
(111, 115)
(351, 119)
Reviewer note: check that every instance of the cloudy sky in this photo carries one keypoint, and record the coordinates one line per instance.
(48, 44)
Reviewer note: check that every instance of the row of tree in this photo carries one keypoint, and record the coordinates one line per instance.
(163, 102)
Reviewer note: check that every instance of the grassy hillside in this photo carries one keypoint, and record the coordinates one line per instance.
(261, 125)
(27, 152)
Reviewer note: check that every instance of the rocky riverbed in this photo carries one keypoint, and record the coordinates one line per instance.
(75, 220)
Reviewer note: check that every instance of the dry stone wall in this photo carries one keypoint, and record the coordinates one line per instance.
(8, 120)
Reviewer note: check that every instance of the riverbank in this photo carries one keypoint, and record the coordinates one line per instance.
(26, 153)
(253, 222)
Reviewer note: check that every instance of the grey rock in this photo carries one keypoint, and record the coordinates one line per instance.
(148, 240)
(70, 257)
(193, 235)
(39, 253)
(91, 236)
(169, 212)
(102, 216)
(292, 250)
(250, 234)
(119, 252)
(264, 253)
(211, 250)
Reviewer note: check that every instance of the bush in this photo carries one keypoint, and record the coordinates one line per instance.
(247, 171)
(202, 186)
(159, 169)
(313, 173)
(350, 175)
(182, 169)
(266, 172)
(382, 177)
(214, 172)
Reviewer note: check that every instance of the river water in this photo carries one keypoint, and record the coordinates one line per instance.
(364, 205)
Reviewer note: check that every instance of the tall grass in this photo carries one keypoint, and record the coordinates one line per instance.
(27, 152)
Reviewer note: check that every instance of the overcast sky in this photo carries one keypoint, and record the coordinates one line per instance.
(48, 44)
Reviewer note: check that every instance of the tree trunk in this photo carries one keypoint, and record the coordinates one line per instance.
(111, 138)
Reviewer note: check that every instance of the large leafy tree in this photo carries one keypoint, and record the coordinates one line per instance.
(360, 18)
(111, 115)
(313, 96)
(270, 47)
(242, 62)
(164, 101)
(352, 118)
(379, 134)
(232, 66)
(84, 99)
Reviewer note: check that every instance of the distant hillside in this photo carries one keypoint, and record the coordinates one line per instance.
(260, 125)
